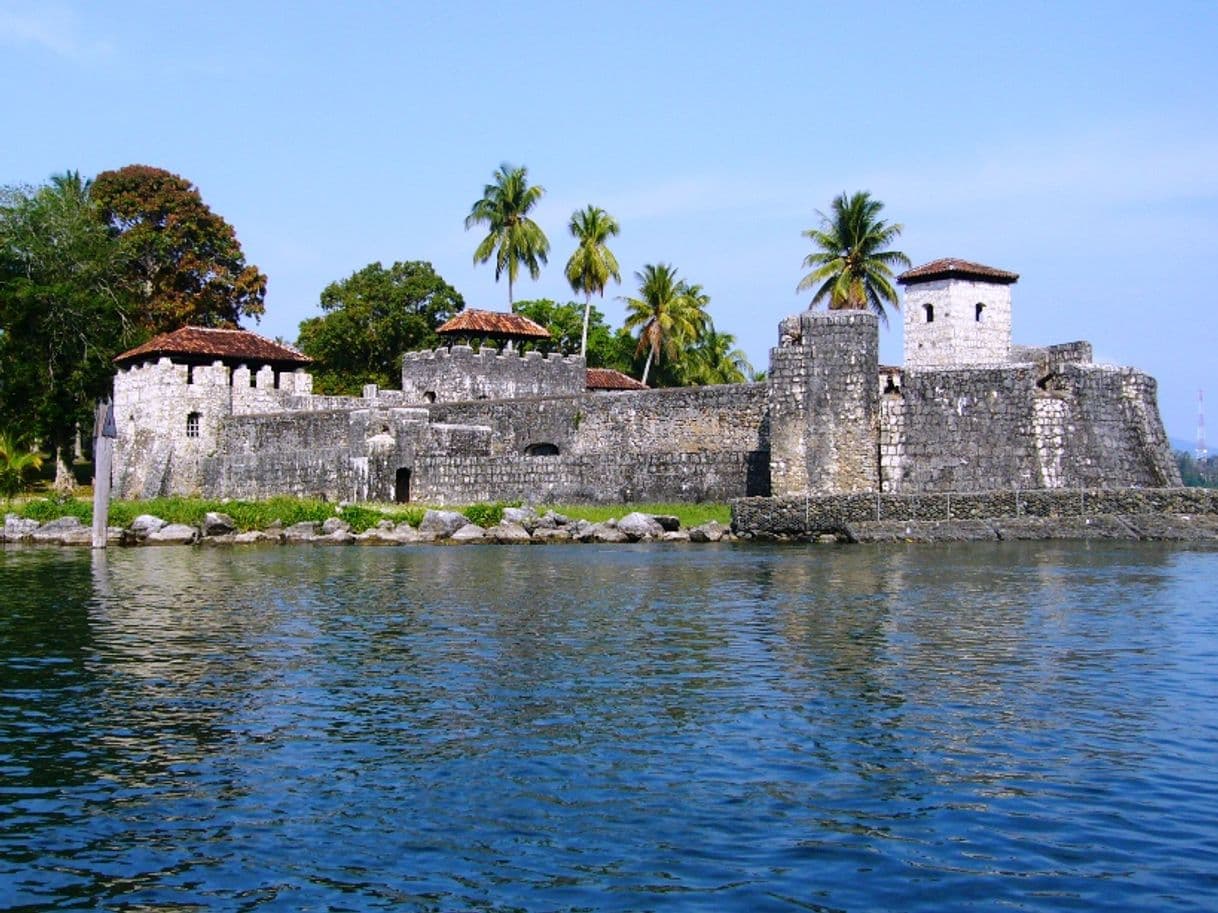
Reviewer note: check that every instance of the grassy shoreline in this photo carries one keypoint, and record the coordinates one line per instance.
(262, 514)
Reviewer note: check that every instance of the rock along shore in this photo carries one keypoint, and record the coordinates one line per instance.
(519, 526)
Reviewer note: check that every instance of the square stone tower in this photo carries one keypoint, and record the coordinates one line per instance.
(957, 313)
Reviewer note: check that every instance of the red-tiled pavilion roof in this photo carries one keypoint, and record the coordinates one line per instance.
(471, 322)
(608, 379)
(952, 268)
(205, 342)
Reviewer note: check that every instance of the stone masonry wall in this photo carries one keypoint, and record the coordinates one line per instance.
(689, 444)
(956, 336)
(824, 402)
(811, 516)
(460, 373)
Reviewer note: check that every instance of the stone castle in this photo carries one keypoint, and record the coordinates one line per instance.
(226, 413)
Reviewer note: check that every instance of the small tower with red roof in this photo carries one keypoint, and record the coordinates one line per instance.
(957, 314)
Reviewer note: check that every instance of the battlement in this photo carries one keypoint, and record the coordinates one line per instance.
(459, 373)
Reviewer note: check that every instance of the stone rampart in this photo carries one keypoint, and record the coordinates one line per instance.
(824, 403)
(459, 373)
(808, 517)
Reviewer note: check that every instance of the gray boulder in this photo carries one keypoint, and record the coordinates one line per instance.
(442, 523)
(521, 516)
(636, 526)
(668, 523)
(337, 537)
(56, 530)
(676, 535)
(252, 536)
(711, 531)
(218, 524)
(145, 525)
(18, 528)
(551, 534)
(603, 532)
(334, 525)
(508, 533)
(305, 531)
(470, 532)
(173, 534)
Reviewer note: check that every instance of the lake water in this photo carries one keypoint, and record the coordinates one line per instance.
(979, 727)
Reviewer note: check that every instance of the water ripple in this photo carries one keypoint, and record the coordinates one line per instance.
(1000, 726)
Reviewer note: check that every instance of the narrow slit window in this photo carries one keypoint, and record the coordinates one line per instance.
(980, 310)
(930, 312)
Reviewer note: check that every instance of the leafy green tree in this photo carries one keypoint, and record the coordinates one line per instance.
(184, 262)
(17, 464)
(669, 314)
(567, 331)
(371, 318)
(851, 267)
(512, 238)
(64, 313)
(592, 264)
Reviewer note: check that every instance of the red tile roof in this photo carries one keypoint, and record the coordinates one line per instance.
(205, 342)
(471, 322)
(608, 379)
(952, 268)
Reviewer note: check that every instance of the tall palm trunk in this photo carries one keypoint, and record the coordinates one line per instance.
(647, 364)
(583, 342)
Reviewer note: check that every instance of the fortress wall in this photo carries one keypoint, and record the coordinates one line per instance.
(803, 517)
(1114, 436)
(460, 373)
(824, 404)
(721, 418)
(604, 478)
(968, 429)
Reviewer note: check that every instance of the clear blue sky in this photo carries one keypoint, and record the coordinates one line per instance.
(1074, 143)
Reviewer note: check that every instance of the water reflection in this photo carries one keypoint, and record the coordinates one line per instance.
(606, 728)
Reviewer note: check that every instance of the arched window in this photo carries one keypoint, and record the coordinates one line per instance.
(979, 311)
(429, 396)
(930, 312)
(542, 449)
(192, 424)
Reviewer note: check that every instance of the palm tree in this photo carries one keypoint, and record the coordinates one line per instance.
(593, 264)
(17, 463)
(852, 266)
(512, 237)
(669, 313)
(715, 360)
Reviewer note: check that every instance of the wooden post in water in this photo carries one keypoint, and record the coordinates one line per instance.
(104, 433)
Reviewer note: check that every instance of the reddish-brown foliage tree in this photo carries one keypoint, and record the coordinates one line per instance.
(184, 261)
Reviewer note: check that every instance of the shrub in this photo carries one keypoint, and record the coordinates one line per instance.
(487, 514)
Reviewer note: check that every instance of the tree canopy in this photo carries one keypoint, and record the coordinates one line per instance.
(669, 314)
(512, 238)
(64, 312)
(182, 261)
(851, 266)
(592, 264)
(565, 322)
(371, 318)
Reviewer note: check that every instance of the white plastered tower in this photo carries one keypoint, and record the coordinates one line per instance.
(957, 313)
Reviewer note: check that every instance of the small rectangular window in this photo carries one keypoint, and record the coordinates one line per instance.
(192, 425)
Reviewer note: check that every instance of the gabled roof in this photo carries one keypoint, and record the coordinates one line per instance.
(471, 322)
(609, 379)
(953, 268)
(206, 342)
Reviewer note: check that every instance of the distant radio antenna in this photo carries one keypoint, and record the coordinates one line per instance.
(1202, 452)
